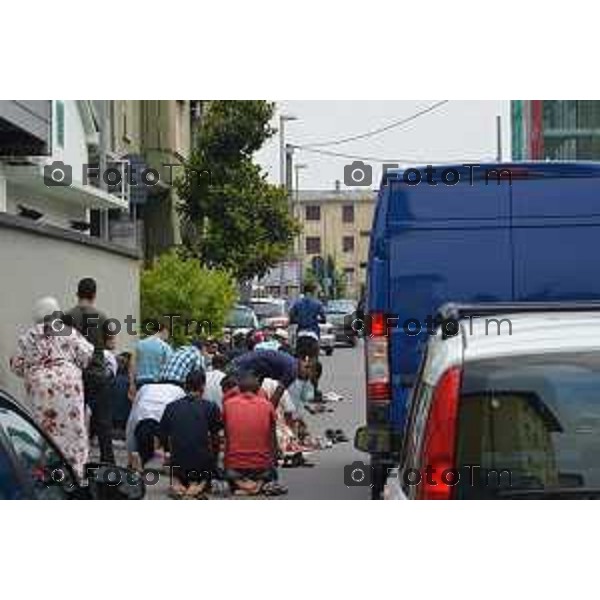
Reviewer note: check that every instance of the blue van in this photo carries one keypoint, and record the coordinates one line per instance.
(466, 234)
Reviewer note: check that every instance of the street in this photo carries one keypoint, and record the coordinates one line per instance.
(343, 373)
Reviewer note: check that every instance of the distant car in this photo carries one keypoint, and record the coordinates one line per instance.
(327, 339)
(33, 468)
(240, 320)
(337, 312)
(271, 312)
(507, 415)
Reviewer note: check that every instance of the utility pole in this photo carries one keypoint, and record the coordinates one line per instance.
(282, 148)
(103, 139)
(499, 138)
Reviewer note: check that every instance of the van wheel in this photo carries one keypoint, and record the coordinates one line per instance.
(328, 351)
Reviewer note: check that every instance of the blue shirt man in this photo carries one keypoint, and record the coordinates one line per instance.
(307, 313)
(151, 355)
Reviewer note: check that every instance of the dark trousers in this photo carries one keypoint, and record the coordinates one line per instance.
(99, 400)
(146, 432)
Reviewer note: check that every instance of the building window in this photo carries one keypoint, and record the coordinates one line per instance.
(348, 243)
(313, 245)
(60, 124)
(348, 213)
(349, 274)
(313, 213)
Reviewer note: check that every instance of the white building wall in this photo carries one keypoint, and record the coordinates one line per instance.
(74, 152)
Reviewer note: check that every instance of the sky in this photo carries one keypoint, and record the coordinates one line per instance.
(458, 131)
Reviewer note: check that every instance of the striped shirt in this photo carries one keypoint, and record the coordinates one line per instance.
(181, 363)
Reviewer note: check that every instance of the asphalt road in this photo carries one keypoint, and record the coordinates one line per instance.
(343, 373)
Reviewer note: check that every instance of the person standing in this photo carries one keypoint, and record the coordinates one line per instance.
(91, 323)
(151, 355)
(191, 427)
(306, 314)
(51, 361)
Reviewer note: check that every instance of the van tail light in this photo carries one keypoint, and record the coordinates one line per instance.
(378, 361)
(439, 444)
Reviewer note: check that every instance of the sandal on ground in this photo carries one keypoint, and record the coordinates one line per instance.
(176, 494)
(340, 436)
(247, 487)
(330, 435)
(196, 492)
(274, 488)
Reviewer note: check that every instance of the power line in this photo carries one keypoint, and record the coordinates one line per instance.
(381, 160)
(381, 129)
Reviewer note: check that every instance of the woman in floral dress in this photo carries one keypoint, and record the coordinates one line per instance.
(51, 366)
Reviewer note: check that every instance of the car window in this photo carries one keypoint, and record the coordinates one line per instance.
(10, 487)
(36, 456)
(530, 423)
(341, 307)
(242, 318)
(268, 309)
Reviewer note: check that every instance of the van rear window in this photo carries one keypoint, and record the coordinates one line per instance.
(530, 426)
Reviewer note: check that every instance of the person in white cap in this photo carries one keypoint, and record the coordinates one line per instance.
(50, 357)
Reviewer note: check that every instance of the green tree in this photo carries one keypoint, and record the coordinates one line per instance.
(174, 285)
(330, 280)
(234, 219)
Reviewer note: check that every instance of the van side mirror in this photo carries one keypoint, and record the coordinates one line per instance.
(374, 440)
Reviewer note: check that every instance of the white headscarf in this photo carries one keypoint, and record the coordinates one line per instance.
(44, 308)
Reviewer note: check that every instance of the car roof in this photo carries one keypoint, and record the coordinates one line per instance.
(519, 334)
(523, 333)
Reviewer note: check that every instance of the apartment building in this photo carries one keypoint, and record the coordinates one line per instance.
(555, 129)
(336, 223)
(49, 213)
(36, 138)
(156, 135)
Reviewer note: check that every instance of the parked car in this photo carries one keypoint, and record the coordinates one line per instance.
(271, 312)
(33, 468)
(241, 319)
(327, 339)
(481, 240)
(338, 312)
(506, 408)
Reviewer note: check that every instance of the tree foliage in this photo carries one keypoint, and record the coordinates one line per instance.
(234, 219)
(174, 285)
(330, 280)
